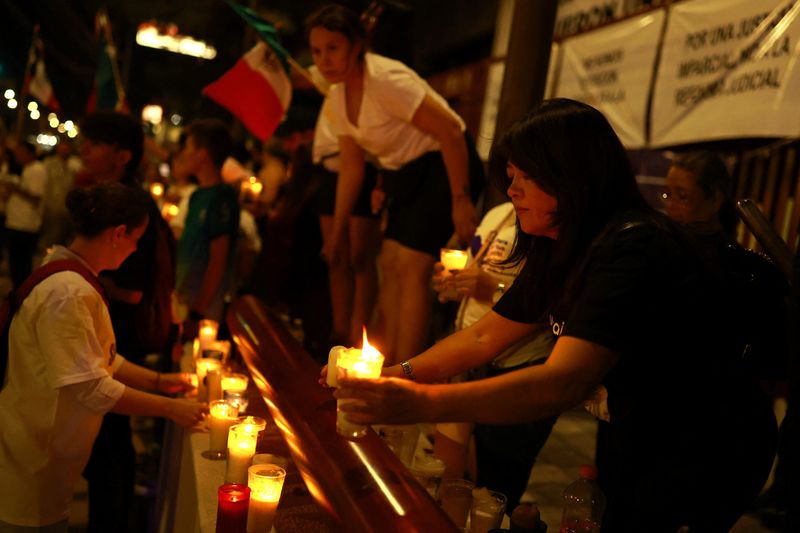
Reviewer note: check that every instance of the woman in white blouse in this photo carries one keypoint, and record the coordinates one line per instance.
(382, 110)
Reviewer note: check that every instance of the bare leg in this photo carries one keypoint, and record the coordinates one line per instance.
(412, 307)
(364, 241)
(340, 277)
(388, 298)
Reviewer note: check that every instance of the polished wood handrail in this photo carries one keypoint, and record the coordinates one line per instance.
(361, 483)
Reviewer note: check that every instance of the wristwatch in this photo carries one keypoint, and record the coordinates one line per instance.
(499, 291)
(408, 371)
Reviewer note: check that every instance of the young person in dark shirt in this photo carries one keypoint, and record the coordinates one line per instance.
(684, 441)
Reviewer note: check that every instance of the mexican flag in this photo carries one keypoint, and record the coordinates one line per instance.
(257, 89)
(41, 88)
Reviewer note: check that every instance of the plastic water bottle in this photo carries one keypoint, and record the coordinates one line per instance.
(584, 504)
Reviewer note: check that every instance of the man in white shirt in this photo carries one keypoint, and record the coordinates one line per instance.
(24, 211)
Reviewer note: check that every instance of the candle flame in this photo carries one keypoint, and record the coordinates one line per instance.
(367, 350)
(157, 190)
(256, 188)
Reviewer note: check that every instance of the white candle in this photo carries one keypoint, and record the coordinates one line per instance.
(203, 366)
(157, 191)
(333, 355)
(241, 449)
(207, 333)
(454, 259)
(232, 381)
(265, 482)
(214, 384)
(252, 424)
(169, 211)
(221, 417)
(365, 363)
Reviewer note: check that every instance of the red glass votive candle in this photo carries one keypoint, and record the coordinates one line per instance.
(233, 503)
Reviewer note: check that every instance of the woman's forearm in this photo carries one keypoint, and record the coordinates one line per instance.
(466, 349)
(136, 376)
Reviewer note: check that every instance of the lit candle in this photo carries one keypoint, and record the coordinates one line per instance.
(365, 363)
(241, 449)
(232, 381)
(232, 505)
(251, 189)
(169, 211)
(207, 333)
(221, 417)
(157, 191)
(266, 483)
(252, 424)
(255, 189)
(202, 367)
(333, 355)
(214, 384)
(454, 259)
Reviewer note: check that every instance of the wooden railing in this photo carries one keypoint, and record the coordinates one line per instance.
(360, 483)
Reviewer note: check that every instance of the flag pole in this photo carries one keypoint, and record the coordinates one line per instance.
(111, 50)
(23, 93)
(307, 75)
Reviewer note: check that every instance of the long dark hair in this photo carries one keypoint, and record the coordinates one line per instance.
(334, 17)
(572, 153)
(107, 205)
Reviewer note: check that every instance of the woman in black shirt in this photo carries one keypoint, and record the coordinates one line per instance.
(627, 293)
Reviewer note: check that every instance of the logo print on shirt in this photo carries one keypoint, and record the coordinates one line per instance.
(558, 328)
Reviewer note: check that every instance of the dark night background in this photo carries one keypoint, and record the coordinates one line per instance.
(429, 36)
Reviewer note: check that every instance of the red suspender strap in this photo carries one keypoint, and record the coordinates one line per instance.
(53, 267)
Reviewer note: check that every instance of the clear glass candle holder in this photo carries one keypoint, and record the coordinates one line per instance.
(266, 483)
(355, 364)
(237, 398)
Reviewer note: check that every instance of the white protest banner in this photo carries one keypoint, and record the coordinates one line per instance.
(728, 69)
(575, 16)
(612, 70)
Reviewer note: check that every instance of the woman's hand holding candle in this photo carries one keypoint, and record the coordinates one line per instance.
(386, 401)
(175, 382)
(186, 413)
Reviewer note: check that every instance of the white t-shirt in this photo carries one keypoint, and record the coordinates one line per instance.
(325, 149)
(60, 338)
(21, 215)
(501, 218)
(392, 94)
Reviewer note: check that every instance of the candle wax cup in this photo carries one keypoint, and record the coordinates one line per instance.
(232, 507)
(214, 385)
(203, 366)
(221, 417)
(353, 363)
(453, 259)
(266, 483)
(261, 516)
(333, 356)
(234, 382)
(252, 424)
(241, 449)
